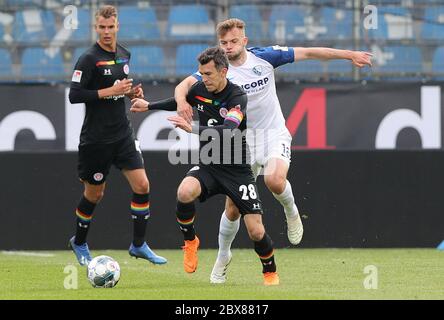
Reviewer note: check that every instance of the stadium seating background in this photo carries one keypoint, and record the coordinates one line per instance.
(36, 45)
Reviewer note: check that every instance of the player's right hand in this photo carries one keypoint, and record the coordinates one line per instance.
(123, 87)
(185, 110)
(139, 105)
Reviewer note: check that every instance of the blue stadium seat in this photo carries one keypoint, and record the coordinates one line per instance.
(397, 59)
(33, 26)
(186, 58)
(339, 23)
(433, 25)
(6, 63)
(313, 67)
(342, 67)
(251, 16)
(76, 55)
(190, 22)
(394, 23)
(37, 64)
(84, 27)
(138, 24)
(292, 22)
(147, 60)
(26, 3)
(438, 63)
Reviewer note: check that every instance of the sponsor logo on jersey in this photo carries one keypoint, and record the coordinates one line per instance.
(126, 69)
(115, 98)
(257, 70)
(77, 76)
(107, 72)
(200, 107)
(255, 84)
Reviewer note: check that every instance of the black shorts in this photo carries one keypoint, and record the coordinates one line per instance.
(237, 182)
(95, 160)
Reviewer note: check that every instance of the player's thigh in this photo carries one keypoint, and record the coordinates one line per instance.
(278, 156)
(275, 170)
(128, 155)
(209, 186)
(231, 211)
(94, 162)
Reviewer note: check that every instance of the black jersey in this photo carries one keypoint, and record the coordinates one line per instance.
(105, 119)
(221, 111)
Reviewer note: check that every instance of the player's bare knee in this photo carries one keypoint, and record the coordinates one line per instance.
(94, 196)
(186, 195)
(142, 186)
(256, 232)
(275, 183)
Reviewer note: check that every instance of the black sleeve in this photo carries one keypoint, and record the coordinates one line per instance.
(165, 104)
(236, 113)
(82, 75)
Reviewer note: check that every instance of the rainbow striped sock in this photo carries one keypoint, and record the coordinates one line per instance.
(140, 212)
(84, 213)
(185, 218)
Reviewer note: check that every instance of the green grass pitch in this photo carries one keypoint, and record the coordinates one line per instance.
(304, 274)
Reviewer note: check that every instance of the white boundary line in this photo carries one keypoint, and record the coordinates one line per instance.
(28, 254)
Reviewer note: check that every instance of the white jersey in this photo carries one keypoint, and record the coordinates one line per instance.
(256, 77)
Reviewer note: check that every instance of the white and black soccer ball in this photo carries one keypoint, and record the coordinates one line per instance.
(103, 272)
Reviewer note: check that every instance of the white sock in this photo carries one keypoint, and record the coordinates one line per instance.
(287, 201)
(227, 232)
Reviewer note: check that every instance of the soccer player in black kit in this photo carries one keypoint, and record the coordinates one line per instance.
(107, 138)
(221, 107)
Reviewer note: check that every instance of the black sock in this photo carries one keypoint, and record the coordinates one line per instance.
(84, 212)
(140, 212)
(264, 249)
(185, 217)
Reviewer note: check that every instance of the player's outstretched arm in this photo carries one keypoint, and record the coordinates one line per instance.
(184, 109)
(141, 105)
(358, 58)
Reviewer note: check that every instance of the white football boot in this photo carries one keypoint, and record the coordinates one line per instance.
(219, 272)
(295, 229)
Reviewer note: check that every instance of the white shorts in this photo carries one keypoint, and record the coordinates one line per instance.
(277, 146)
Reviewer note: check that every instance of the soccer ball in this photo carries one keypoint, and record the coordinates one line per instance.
(103, 272)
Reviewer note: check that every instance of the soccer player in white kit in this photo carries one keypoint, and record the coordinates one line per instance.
(268, 138)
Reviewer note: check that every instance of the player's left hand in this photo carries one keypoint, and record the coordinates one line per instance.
(136, 92)
(361, 59)
(139, 105)
(180, 122)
